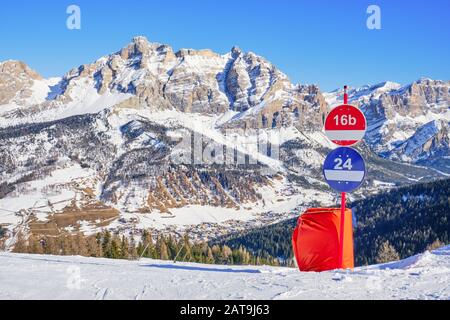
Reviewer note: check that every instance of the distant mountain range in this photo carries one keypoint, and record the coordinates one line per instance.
(406, 123)
(96, 147)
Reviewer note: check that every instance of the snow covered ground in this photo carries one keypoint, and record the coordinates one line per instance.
(22, 276)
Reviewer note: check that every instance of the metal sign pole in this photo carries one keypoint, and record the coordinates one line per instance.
(345, 95)
(341, 235)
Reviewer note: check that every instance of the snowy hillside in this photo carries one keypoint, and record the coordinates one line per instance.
(425, 276)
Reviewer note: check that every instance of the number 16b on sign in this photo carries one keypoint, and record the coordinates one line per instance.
(345, 119)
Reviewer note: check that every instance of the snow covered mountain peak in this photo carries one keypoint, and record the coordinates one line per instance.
(22, 86)
(16, 80)
(236, 51)
(19, 68)
(146, 75)
(363, 94)
(140, 39)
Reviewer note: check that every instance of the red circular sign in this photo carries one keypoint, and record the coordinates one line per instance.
(345, 125)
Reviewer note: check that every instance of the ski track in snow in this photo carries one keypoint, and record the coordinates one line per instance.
(23, 276)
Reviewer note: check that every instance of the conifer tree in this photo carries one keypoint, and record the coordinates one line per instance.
(147, 245)
(124, 248)
(209, 256)
(114, 251)
(51, 246)
(21, 245)
(93, 247)
(171, 247)
(81, 247)
(227, 255)
(386, 253)
(187, 246)
(132, 249)
(164, 255)
(435, 245)
(66, 245)
(106, 243)
(34, 245)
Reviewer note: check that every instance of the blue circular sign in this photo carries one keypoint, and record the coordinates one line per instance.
(344, 169)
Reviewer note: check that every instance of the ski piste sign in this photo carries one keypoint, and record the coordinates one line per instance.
(345, 125)
(344, 169)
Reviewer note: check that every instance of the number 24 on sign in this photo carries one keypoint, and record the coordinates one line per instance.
(341, 164)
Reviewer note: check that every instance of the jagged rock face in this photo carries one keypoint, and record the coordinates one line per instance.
(250, 79)
(412, 100)
(311, 118)
(195, 81)
(431, 140)
(266, 99)
(302, 106)
(16, 79)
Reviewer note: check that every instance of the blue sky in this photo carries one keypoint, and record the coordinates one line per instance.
(323, 42)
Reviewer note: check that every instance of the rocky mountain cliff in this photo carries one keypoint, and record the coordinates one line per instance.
(407, 123)
(20, 85)
(115, 143)
(153, 76)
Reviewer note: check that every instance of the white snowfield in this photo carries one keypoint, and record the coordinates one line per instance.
(22, 276)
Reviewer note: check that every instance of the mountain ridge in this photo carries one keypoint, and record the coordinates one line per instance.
(184, 280)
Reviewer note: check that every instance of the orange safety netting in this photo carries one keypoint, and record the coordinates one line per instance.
(316, 240)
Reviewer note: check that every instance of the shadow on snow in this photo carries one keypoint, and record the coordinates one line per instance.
(195, 268)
